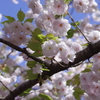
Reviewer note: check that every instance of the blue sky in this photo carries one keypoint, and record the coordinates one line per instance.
(7, 7)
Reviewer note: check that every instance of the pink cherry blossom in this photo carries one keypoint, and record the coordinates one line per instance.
(36, 6)
(59, 7)
(61, 27)
(50, 48)
(16, 27)
(81, 5)
(28, 28)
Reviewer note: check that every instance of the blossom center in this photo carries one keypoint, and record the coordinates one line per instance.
(80, 3)
(16, 26)
(49, 48)
(58, 6)
(20, 38)
(28, 28)
(48, 18)
(95, 38)
(60, 25)
(60, 49)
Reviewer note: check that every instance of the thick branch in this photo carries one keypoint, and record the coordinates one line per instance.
(26, 85)
(80, 56)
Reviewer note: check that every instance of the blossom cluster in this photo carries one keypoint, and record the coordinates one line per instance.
(90, 81)
(16, 32)
(50, 19)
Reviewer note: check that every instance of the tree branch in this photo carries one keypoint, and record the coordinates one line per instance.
(23, 50)
(83, 55)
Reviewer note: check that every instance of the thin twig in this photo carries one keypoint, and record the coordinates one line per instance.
(58, 63)
(7, 57)
(78, 28)
(6, 87)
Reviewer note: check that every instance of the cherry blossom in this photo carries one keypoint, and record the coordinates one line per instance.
(81, 5)
(60, 50)
(61, 27)
(59, 7)
(94, 36)
(50, 48)
(28, 27)
(35, 6)
(96, 15)
(37, 69)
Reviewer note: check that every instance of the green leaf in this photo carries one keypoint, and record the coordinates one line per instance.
(67, 1)
(57, 16)
(30, 75)
(20, 15)
(74, 81)
(86, 44)
(36, 98)
(36, 34)
(7, 21)
(41, 38)
(37, 54)
(70, 33)
(43, 69)
(77, 93)
(6, 69)
(86, 70)
(31, 64)
(35, 46)
(50, 35)
(11, 19)
(29, 20)
(74, 24)
(25, 92)
(45, 97)
(89, 65)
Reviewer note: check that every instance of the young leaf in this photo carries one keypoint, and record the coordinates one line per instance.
(30, 75)
(31, 64)
(86, 44)
(74, 24)
(41, 38)
(20, 15)
(77, 93)
(11, 19)
(7, 21)
(70, 33)
(36, 32)
(35, 98)
(29, 20)
(43, 69)
(25, 92)
(50, 35)
(37, 54)
(45, 97)
(38, 36)
(35, 46)
(67, 1)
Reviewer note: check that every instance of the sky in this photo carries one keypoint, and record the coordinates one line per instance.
(7, 7)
